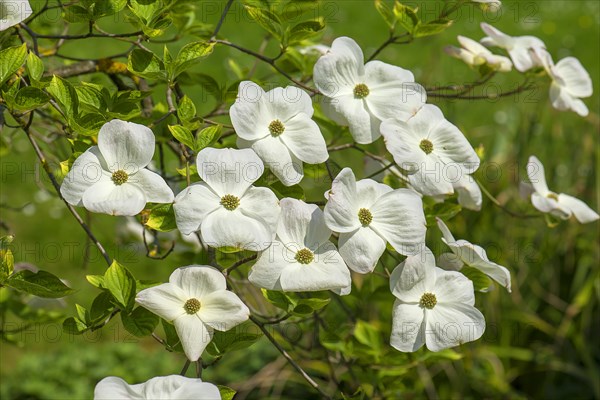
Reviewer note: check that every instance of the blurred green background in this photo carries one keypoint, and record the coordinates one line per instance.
(541, 341)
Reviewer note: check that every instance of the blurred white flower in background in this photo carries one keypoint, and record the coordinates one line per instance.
(474, 54)
(521, 49)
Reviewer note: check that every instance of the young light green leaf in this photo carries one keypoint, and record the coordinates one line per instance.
(206, 137)
(294, 191)
(190, 54)
(182, 134)
(186, 110)
(101, 307)
(406, 16)
(305, 30)
(120, 283)
(74, 326)
(266, 19)
(41, 283)
(386, 13)
(226, 393)
(10, 60)
(64, 93)
(34, 66)
(162, 218)
(96, 280)
(431, 28)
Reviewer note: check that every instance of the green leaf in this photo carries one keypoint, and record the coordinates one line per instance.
(74, 326)
(140, 322)
(171, 338)
(386, 13)
(431, 28)
(183, 135)
(294, 191)
(41, 283)
(406, 16)
(266, 19)
(190, 54)
(186, 110)
(206, 137)
(103, 8)
(34, 66)
(162, 218)
(226, 393)
(101, 307)
(82, 313)
(445, 211)
(305, 30)
(279, 299)
(96, 280)
(120, 283)
(7, 259)
(481, 282)
(146, 64)
(64, 93)
(238, 338)
(29, 98)
(77, 13)
(11, 60)
(368, 335)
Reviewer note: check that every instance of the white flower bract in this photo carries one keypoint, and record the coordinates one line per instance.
(13, 12)
(277, 125)
(112, 178)
(433, 151)
(362, 95)
(367, 214)
(433, 307)
(197, 302)
(172, 387)
(521, 49)
(465, 253)
(226, 209)
(558, 204)
(301, 258)
(474, 54)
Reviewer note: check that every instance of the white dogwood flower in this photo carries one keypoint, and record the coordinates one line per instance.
(277, 125)
(13, 12)
(226, 209)
(474, 54)
(367, 214)
(558, 204)
(112, 178)
(521, 49)
(432, 150)
(172, 387)
(301, 258)
(197, 302)
(361, 96)
(433, 307)
(466, 253)
(570, 82)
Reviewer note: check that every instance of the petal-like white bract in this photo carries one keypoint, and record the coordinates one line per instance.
(234, 229)
(413, 277)
(13, 12)
(361, 249)
(341, 210)
(108, 198)
(164, 300)
(303, 137)
(302, 224)
(229, 171)
(536, 174)
(408, 327)
(475, 54)
(153, 185)
(475, 256)
(198, 281)
(521, 49)
(582, 212)
(361, 96)
(192, 205)
(250, 112)
(194, 335)
(126, 146)
(88, 169)
(172, 387)
(266, 272)
(222, 310)
(450, 325)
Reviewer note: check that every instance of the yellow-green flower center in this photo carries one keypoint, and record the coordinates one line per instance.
(364, 216)
(426, 146)
(361, 91)
(428, 300)
(305, 256)
(120, 177)
(192, 306)
(276, 127)
(230, 202)
(552, 196)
